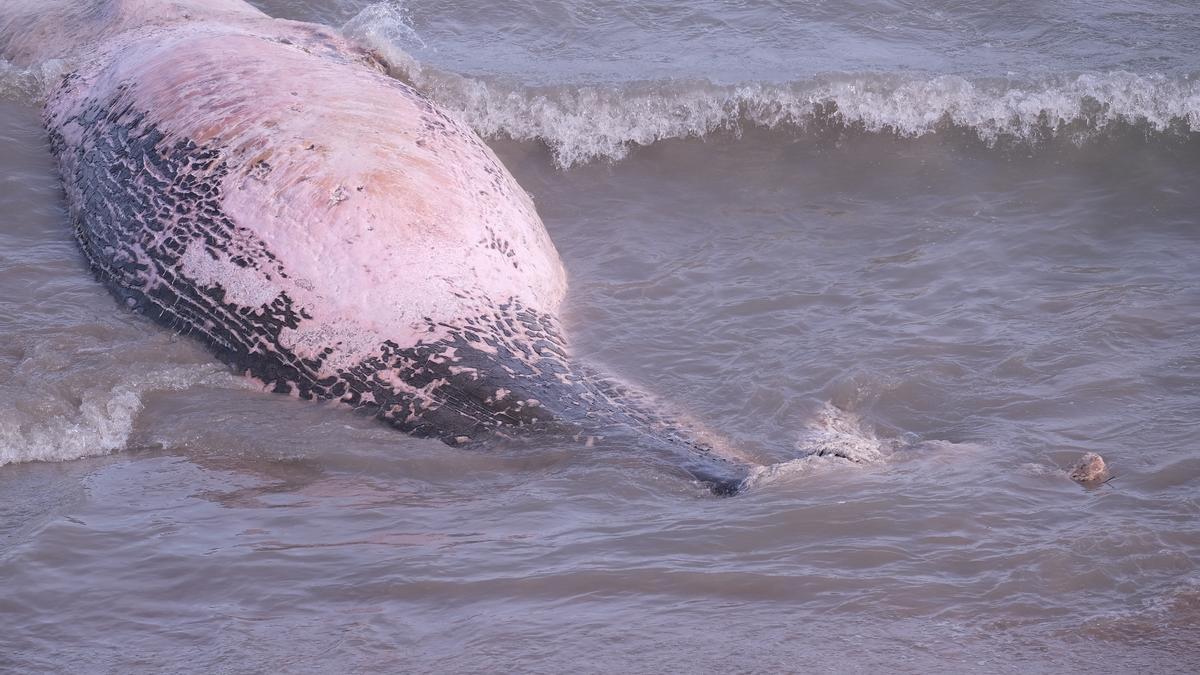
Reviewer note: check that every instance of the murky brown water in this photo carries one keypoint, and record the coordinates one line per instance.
(985, 314)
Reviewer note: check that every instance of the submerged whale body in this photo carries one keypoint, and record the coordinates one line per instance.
(263, 186)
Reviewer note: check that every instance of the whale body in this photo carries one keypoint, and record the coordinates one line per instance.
(265, 187)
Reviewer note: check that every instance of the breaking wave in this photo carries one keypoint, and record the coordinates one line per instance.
(29, 84)
(89, 420)
(834, 437)
(582, 123)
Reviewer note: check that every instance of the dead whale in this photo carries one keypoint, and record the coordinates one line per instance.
(264, 187)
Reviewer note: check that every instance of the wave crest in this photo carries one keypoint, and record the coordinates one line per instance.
(87, 420)
(582, 123)
(29, 85)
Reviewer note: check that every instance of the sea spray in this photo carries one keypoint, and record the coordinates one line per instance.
(581, 122)
(98, 420)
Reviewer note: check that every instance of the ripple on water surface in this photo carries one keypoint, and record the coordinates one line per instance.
(976, 316)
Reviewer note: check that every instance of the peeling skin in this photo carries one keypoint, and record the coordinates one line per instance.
(242, 285)
(259, 185)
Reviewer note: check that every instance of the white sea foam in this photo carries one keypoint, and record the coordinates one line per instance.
(581, 123)
(834, 437)
(29, 84)
(97, 422)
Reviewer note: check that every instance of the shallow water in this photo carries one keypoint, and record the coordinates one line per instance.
(982, 308)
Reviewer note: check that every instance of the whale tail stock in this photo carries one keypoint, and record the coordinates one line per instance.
(616, 418)
(510, 372)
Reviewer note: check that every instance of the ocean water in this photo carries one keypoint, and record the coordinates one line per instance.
(961, 238)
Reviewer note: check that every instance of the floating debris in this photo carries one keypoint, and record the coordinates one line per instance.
(1090, 469)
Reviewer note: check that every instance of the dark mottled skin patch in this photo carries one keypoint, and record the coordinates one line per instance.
(139, 199)
(501, 246)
